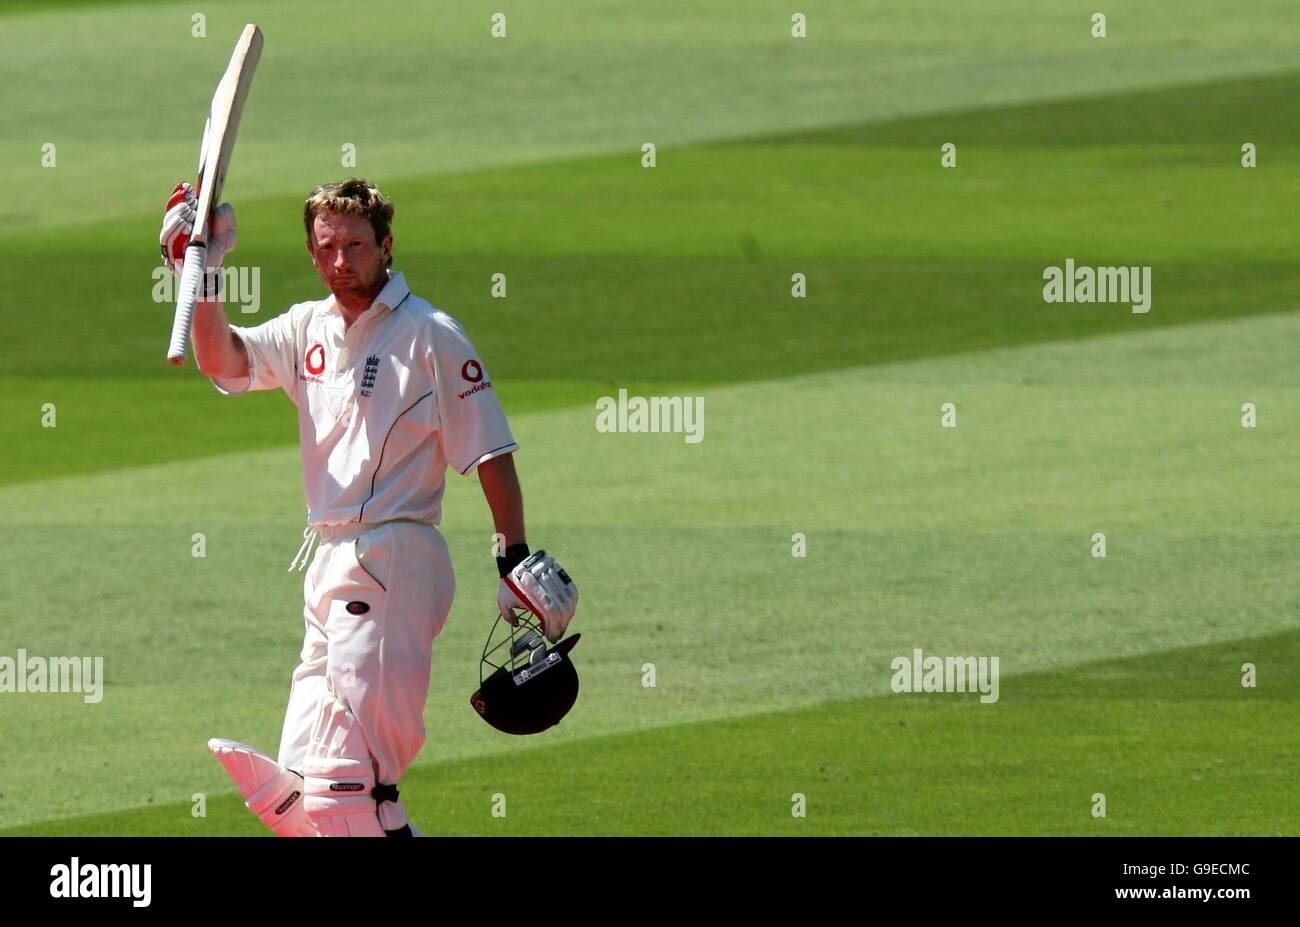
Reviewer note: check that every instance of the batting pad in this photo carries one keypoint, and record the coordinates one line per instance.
(339, 776)
(270, 791)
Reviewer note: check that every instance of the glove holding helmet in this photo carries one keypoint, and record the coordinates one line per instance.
(526, 687)
(537, 583)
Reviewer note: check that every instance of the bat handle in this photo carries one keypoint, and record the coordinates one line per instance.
(196, 255)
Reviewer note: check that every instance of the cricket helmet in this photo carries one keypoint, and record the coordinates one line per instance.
(525, 686)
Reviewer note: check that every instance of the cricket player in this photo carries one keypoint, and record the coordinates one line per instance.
(389, 392)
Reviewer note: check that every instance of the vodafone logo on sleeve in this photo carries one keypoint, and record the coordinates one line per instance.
(472, 371)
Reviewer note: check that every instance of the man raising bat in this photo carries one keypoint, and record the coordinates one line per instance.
(390, 392)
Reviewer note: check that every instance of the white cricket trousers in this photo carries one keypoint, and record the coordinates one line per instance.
(375, 597)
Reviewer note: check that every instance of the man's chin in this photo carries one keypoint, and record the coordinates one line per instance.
(348, 287)
(355, 286)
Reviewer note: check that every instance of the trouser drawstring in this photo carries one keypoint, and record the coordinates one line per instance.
(309, 535)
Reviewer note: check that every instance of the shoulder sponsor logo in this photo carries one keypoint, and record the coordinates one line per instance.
(472, 371)
(486, 384)
(315, 361)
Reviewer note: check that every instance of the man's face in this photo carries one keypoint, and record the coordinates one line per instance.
(345, 252)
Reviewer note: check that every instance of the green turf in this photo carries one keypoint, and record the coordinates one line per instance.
(974, 540)
(563, 82)
(14, 7)
(776, 156)
(635, 253)
(1132, 729)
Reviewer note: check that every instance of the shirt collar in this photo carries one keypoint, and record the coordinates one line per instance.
(389, 298)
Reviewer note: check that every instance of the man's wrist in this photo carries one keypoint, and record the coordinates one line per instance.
(211, 288)
(515, 554)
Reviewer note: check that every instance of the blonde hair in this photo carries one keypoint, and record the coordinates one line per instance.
(353, 197)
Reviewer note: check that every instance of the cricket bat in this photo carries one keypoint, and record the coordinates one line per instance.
(214, 160)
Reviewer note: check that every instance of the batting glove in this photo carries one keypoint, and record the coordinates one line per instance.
(539, 585)
(178, 225)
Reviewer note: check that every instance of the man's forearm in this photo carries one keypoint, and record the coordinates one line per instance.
(500, 485)
(217, 350)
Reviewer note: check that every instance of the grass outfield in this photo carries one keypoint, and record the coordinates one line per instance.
(973, 541)
(1120, 675)
(696, 257)
(1133, 729)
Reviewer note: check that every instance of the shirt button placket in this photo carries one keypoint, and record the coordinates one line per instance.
(347, 384)
(341, 352)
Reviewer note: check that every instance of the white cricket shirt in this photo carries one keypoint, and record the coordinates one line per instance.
(383, 407)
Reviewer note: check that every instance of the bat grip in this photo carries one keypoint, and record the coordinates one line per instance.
(196, 255)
